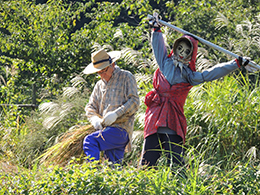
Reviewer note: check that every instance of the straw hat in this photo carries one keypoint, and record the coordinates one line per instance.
(100, 60)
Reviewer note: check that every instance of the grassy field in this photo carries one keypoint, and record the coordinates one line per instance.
(222, 153)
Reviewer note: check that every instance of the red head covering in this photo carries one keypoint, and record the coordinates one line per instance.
(192, 63)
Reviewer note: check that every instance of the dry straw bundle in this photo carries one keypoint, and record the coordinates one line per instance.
(69, 145)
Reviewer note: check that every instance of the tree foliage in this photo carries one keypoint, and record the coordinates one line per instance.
(45, 42)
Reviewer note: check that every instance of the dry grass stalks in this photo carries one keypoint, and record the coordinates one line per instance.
(69, 145)
(8, 167)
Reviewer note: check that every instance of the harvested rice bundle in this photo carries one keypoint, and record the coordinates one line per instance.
(68, 146)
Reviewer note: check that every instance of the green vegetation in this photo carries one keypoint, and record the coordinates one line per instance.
(101, 179)
(46, 44)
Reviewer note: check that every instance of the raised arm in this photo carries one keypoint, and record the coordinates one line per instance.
(159, 49)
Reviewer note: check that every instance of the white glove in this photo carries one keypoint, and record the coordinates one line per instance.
(109, 118)
(96, 122)
(154, 22)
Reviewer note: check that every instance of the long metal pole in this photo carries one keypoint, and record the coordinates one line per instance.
(203, 41)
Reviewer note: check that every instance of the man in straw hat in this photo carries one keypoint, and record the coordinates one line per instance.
(111, 108)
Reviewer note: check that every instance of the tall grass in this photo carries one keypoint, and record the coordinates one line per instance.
(12, 128)
(224, 118)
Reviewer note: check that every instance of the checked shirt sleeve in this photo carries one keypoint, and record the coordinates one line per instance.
(92, 108)
(132, 104)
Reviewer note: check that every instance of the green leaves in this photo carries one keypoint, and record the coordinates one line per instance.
(40, 36)
(94, 178)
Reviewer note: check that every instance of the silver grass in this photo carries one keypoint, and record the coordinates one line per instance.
(245, 25)
(70, 91)
(140, 118)
(48, 107)
(204, 169)
(131, 56)
(51, 121)
(146, 78)
(118, 34)
(154, 64)
(245, 29)
(78, 80)
(222, 21)
(54, 113)
(252, 153)
(107, 47)
(96, 47)
(250, 33)
(2, 80)
(202, 63)
(58, 116)
(249, 36)
(144, 64)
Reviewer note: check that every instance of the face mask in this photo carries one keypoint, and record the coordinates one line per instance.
(182, 50)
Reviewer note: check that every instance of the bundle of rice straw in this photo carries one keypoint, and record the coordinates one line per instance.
(69, 145)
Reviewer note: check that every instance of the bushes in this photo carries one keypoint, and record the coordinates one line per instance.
(95, 178)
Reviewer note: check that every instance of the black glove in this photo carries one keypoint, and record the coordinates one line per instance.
(241, 63)
(247, 66)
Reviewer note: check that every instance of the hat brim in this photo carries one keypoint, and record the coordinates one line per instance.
(90, 69)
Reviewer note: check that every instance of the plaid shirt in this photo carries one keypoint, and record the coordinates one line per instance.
(119, 94)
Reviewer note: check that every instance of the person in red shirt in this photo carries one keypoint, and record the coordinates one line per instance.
(165, 122)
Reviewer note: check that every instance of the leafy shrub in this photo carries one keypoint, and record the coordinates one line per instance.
(95, 178)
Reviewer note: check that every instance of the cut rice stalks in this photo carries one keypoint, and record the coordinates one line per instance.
(70, 145)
